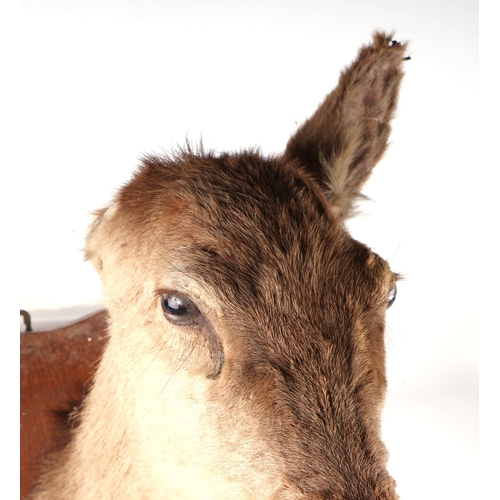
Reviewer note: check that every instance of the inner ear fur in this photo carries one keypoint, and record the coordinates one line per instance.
(347, 135)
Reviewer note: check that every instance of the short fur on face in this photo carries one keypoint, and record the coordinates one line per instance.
(276, 390)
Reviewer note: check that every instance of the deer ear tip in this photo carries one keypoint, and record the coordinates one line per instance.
(383, 40)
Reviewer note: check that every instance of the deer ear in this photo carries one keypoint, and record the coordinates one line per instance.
(93, 241)
(342, 142)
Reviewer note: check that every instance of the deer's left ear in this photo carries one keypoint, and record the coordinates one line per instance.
(342, 142)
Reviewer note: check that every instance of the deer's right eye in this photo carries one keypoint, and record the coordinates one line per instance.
(180, 310)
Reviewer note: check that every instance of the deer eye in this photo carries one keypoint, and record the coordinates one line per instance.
(179, 310)
(392, 296)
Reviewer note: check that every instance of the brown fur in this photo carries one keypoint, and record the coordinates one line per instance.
(284, 375)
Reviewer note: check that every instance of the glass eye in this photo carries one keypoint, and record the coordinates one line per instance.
(179, 310)
(392, 296)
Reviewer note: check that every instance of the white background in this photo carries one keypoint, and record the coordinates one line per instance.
(103, 82)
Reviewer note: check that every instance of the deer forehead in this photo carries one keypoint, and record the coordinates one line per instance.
(237, 223)
(241, 236)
